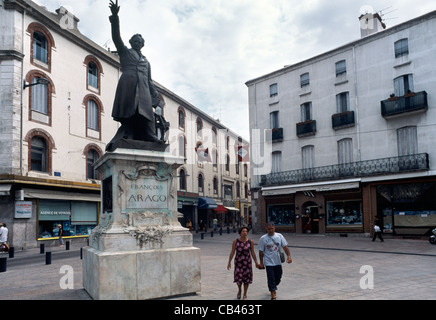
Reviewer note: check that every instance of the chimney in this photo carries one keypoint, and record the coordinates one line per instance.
(66, 19)
(370, 23)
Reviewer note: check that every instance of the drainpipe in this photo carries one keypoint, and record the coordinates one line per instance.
(22, 92)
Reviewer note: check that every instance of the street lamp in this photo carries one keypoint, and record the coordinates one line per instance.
(38, 81)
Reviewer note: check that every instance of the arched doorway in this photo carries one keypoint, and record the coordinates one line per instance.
(310, 217)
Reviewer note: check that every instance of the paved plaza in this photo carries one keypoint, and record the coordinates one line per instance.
(324, 267)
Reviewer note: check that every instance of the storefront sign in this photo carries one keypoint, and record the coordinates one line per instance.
(23, 209)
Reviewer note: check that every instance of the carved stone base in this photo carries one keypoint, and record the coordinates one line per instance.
(139, 250)
(139, 275)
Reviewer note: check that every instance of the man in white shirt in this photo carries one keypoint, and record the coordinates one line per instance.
(269, 253)
(3, 235)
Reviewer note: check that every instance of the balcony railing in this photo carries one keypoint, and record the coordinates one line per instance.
(307, 128)
(384, 166)
(343, 120)
(277, 134)
(408, 103)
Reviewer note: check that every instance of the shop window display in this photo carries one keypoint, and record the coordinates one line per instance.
(281, 214)
(344, 213)
(77, 218)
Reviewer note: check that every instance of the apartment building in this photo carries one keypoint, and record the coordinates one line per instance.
(56, 94)
(349, 135)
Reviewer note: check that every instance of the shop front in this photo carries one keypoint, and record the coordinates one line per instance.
(314, 208)
(77, 218)
(407, 208)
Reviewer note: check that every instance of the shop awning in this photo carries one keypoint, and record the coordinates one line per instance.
(206, 203)
(232, 208)
(220, 209)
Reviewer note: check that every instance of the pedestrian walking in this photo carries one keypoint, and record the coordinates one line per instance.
(61, 233)
(377, 230)
(4, 236)
(269, 256)
(243, 251)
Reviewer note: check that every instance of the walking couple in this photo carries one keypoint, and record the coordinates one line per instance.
(269, 256)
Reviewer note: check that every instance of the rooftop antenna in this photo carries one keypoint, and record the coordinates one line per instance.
(382, 13)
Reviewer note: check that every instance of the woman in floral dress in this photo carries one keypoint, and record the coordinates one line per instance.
(244, 250)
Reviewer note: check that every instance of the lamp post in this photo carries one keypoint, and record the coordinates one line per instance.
(38, 81)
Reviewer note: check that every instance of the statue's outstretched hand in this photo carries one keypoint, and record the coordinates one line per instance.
(115, 8)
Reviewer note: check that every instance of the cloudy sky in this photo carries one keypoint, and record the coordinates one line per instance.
(205, 50)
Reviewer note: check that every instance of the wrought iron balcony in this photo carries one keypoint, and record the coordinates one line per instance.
(343, 120)
(277, 134)
(408, 103)
(307, 128)
(367, 168)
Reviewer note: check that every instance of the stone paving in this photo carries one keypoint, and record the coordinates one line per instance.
(324, 268)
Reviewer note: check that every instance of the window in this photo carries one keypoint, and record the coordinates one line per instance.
(304, 79)
(345, 151)
(214, 158)
(92, 115)
(200, 183)
(245, 170)
(281, 214)
(237, 165)
(273, 90)
(182, 179)
(308, 157)
(238, 189)
(246, 191)
(181, 114)
(341, 68)
(91, 158)
(403, 85)
(306, 111)
(227, 143)
(276, 165)
(199, 124)
(215, 186)
(227, 163)
(274, 120)
(401, 47)
(342, 102)
(39, 94)
(214, 135)
(92, 75)
(407, 141)
(40, 47)
(228, 192)
(344, 213)
(182, 144)
(38, 154)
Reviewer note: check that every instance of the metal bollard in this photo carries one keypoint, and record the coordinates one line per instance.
(3, 263)
(221, 231)
(48, 257)
(202, 235)
(81, 253)
(41, 248)
(11, 252)
(211, 234)
(67, 245)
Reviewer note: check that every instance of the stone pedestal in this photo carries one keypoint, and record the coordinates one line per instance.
(139, 250)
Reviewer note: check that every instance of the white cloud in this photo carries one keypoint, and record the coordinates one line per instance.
(205, 51)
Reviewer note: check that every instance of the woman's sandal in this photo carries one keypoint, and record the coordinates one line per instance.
(273, 296)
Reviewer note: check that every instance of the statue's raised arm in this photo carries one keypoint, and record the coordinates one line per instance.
(115, 24)
(136, 95)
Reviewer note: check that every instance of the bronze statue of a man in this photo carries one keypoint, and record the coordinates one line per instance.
(136, 96)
